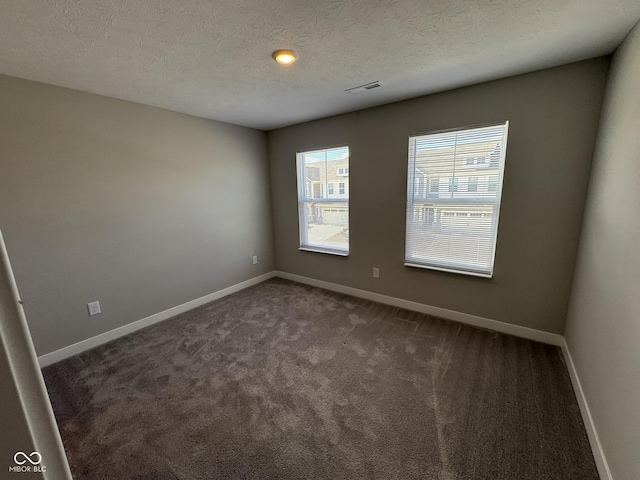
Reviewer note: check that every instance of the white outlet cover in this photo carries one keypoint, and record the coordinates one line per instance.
(255, 259)
(376, 273)
(94, 308)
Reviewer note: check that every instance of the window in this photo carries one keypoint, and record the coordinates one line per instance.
(435, 185)
(462, 236)
(324, 222)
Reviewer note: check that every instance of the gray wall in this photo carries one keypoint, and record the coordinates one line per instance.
(603, 326)
(553, 118)
(140, 208)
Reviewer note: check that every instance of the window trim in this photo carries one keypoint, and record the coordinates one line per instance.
(465, 269)
(304, 199)
(328, 251)
(449, 270)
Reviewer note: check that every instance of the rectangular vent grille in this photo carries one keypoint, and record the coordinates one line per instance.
(364, 88)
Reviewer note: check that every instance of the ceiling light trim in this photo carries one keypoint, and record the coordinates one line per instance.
(284, 56)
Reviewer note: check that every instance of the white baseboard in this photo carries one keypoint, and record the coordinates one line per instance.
(519, 331)
(476, 321)
(529, 333)
(79, 347)
(93, 342)
(594, 440)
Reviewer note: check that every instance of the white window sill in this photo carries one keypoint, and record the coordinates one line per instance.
(448, 270)
(339, 253)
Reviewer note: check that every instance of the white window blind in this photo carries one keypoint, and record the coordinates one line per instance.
(323, 200)
(455, 228)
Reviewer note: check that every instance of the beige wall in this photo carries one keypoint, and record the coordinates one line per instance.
(553, 118)
(140, 208)
(603, 326)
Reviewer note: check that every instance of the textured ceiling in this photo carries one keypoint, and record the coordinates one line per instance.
(212, 58)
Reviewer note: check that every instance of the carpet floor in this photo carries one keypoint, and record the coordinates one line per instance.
(287, 381)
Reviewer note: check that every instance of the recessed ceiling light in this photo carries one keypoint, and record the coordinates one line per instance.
(284, 57)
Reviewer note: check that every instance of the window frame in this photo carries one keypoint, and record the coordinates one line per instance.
(303, 199)
(475, 183)
(434, 182)
(464, 269)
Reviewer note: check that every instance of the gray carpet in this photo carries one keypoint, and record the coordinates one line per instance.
(293, 382)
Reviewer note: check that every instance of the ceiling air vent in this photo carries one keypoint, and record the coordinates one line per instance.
(364, 88)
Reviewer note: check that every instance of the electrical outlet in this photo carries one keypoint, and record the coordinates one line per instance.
(376, 272)
(255, 259)
(94, 308)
